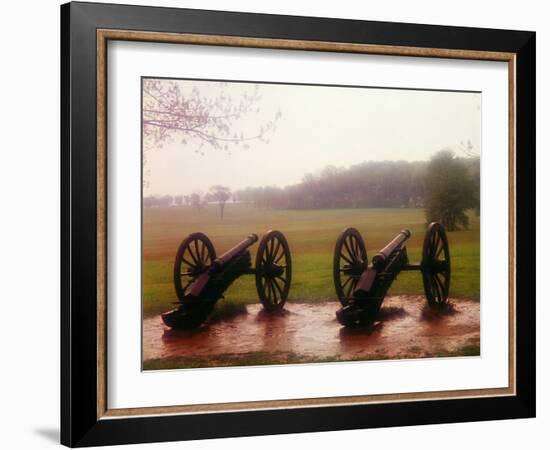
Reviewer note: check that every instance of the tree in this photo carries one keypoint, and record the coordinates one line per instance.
(149, 201)
(178, 200)
(166, 200)
(220, 194)
(195, 199)
(475, 173)
(210, 116)
(449, 191)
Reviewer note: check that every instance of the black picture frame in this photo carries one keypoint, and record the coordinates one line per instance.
(80, 425)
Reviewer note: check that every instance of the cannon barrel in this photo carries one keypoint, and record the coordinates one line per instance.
(237, 250)
(366, 282)
(219, 264)
(382, 256)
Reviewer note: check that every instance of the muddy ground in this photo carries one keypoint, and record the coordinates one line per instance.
(309, 332)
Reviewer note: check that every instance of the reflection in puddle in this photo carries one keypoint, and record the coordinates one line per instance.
(311, 330)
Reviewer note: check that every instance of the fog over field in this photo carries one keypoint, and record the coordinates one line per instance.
(319, 126)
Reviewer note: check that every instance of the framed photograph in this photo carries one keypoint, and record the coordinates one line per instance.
(277, 224)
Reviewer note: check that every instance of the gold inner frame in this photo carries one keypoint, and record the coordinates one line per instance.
(104, 35)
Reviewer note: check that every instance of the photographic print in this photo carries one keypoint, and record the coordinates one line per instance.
(294, 223)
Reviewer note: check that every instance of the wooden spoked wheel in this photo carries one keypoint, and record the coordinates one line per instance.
(350, 260)
(273, 270)
(195, 255)
(436, 266)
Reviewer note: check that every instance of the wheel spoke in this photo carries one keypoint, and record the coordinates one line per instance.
(193, 257)
(350, 253)
(269, 250)
(272, 252)
(265, 254)
(187, 285)
(440, 250)
(346, 259)
(190, 264)
(268, 290)
(438, 290)
(203, 251)
(353, 247)
(283, 253)
(346, 282)
(278, 287)
(435, 290)
(357, 251)
(348, 289)
(429, 288)
(265, 289)
(197, 253)
(437, 242)
(273, 291)
(442, 286)
(278, 299)
(276, 252)
(351, 287)
(360, 251)
(432, 244)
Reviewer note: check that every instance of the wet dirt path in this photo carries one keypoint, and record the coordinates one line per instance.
(309, 331)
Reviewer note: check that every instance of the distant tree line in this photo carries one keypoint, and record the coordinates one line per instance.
(446, 186)
(217, 194)
(386, 184)
(371, 184)
(165, 200)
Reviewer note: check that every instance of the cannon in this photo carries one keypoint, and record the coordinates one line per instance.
(361, 287)
(201, 277)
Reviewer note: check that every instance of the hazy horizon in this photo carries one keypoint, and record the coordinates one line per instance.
(320, 126)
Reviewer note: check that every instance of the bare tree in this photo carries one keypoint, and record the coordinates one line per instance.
(170, 111)
(468, 149)
(220, 194)
(196, 200)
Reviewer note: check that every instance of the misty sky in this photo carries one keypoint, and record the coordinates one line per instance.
(319, 126)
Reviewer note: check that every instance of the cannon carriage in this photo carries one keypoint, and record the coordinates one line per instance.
(361, 287)
(201, 277)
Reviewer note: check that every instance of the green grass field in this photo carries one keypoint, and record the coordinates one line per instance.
(311, 235)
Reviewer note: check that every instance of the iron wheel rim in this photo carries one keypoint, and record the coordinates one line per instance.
(194, 256)
(273, 270)
(436, 266)
(349, 262)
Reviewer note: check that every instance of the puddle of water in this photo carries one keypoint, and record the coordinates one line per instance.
(311, 330)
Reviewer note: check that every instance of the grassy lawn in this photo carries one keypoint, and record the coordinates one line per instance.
(311, 236)
(268, 358)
